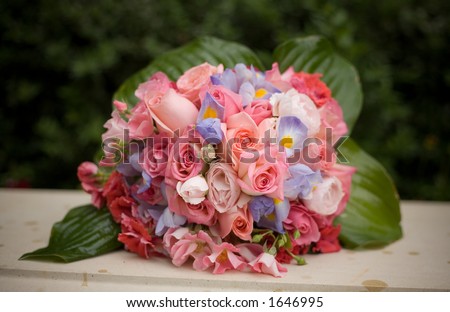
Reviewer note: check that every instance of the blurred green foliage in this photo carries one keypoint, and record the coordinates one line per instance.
(62, 60)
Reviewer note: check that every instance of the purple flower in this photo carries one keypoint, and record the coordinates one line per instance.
(301, 181)
(210, 109)
(210, 130)
(269, 213)
(166, 220)
(291, 134)
(248, 83)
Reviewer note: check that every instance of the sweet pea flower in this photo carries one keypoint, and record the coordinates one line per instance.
(312, 86)
(224, 258)
(326, 196)
(292, 103)
(135, 237)
(193, 190)
(197, 246)
(120, 106)
(267, 264)
(194, 79)
(301, 181)
(269, 213)
(280, 81)
(87, 173)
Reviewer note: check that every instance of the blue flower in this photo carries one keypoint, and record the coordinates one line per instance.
(210, 130)
(301, 182)
(269, 213)
(291, 134)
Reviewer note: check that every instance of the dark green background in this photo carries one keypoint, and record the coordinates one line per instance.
(62, 60)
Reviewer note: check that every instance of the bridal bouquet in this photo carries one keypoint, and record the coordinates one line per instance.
(230, 167)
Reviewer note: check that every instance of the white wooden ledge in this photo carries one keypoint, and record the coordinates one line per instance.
(419, 261)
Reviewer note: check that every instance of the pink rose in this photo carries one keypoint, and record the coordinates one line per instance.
(140, 122)
(156, 155)
(190, 83)
(242, 135)
(326, 196)
(240, 222)
(157, 84)
(302, 220)
(184, 159)
(224, 191)
(312, 86)
(230, 101)
(91, 182)
(265, 175)
(259, 110)
(172, 111)
(280, 81)
(202, 213)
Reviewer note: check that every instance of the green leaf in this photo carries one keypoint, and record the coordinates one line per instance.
(83, 233)
(176, 62)
(315, 54)
(372, 216)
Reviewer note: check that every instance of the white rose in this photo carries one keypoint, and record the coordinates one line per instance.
(292, 103)
(193, 190)
(325, 197)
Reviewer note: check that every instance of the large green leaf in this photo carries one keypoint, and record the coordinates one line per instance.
(315, 54)
(176, 62)
(83, 233)
(372, 217)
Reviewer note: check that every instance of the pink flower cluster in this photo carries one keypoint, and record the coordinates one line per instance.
(225, 168)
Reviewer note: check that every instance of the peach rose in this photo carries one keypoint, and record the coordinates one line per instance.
(191, 82)
(172, 111)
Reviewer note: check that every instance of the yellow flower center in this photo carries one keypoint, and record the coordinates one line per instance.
(271, 217)
(287, 141)
(223, 256)
(210, 113)
(260, 93)
(277, 201)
